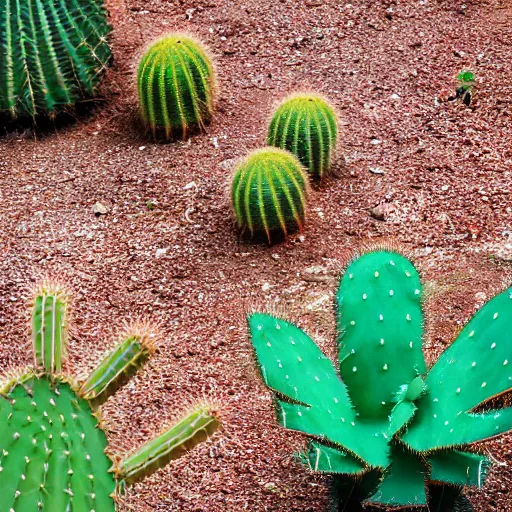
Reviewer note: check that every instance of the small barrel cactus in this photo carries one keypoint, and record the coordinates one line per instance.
(306, 125)
(390, 429)
(176, 85)
(53, 54)
(269, 192)
(53, 449)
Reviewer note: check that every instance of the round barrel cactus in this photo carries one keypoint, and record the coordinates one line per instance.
(306, 125)
(269, 193)
(53, 54)
(54, 454)
(176, 86)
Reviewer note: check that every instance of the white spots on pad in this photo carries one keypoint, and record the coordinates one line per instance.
(269, 344)
(335, 400)
(381, 318)
(471, 334)
(365, 296)
(351, 276)
(410, 344)
(493, 345)
(407, 273)
(391, 293)
(16, 435)
(505, 362)
(408, 317)
(484, 384)
(416, 292)
(382, 341)
(385, 367)
(392, 263)
(458, 390)
(259, 327)
(495, 316)
(299, 359)
(299, 413)
(317, 379)
(278, 327)
(473, 364)
(446, 422)
(354, 369)
(352, 322)
(376, 274)
(52, 402)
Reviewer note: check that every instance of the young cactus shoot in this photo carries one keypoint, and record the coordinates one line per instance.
(176, 85)
(269, 192)
(54, 53)
(390, 428)
(306, 125)
(53, 448)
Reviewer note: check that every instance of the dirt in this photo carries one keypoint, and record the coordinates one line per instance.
(163, 243)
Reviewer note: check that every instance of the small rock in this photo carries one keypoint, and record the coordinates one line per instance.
(395, 97)
(381, 211)
(375, 142)
(190, 185)
(225, 165)
(376, 170)
(99, 209)
(161, 252)
(265, 287)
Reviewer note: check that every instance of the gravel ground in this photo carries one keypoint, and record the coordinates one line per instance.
(440, 174)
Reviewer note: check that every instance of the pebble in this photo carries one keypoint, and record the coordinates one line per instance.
(376, 170)
(99, 209)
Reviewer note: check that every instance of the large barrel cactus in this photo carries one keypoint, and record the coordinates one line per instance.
(389, 428)
(53, 448)
(52, 54)
(269, 192)
(176, 84)
(306, 125)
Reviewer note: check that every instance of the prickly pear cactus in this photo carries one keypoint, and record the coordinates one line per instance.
(269, 192)
(389, 416)
(53, 448)
(53, 54)
(176, 84)
(306, 125)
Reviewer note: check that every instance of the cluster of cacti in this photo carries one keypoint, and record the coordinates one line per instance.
(388, 414)
(306, 125)
(269, 193)
(52, 54)
(176, 85)
(52, 440)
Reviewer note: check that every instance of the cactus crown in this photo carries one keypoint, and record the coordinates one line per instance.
(176, 85)
(52, 440)
(269, 192)
(388, 413)
(306, 125)
(53, 54)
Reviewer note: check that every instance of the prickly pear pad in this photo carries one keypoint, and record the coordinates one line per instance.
(52, 455)
(476, 367)
(380, 325)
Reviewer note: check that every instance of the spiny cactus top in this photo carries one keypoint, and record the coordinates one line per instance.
(269, 193)
(388, 413)
(53, 449)
(306, 125)
(52, 54)
(176, 84)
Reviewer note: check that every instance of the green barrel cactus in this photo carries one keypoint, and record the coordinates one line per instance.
(306, 125)
(269, 192)
(53, 448)
(389, 426)
(53, 54)
(176, 86)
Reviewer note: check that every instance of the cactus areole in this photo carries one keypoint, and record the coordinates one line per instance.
(176, 85)
(54, 454)
(52, 54)
(269, 192)
(387, 415)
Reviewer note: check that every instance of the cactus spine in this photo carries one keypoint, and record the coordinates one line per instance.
(411, 427)
(306, 125)
(53, 54)
(52, 443)
(269, 192)
(176, 85)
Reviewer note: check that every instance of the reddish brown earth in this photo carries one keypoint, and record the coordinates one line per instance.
(388, 66)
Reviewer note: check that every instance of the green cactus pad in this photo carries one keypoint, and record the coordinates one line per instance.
(459, 468)
(380, 325)
(49, 328)
(326, 459)
(52, 453)
(193, 429)
(306, 125)
(403, 483)
(269, 192)
(476, 367)
(116, 369)
(53, 54)
(317, 401)
(176, 84)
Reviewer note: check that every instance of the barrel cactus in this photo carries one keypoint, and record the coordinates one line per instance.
(176, 86)
(53, 54)
(53, 448)
(390, 427)
(306, 125)
(269, 192)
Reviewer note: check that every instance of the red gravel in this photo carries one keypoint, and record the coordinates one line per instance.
(446, 190)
